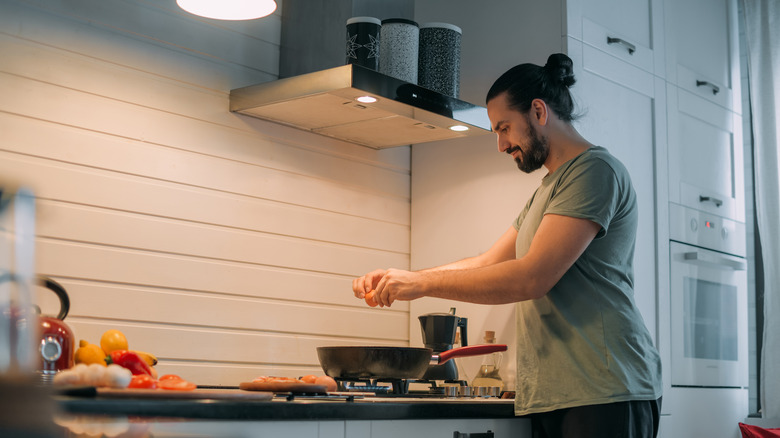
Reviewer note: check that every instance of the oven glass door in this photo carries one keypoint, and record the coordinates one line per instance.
(709, 318)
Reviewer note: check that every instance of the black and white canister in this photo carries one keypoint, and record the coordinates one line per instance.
(399, 44)
(439, 58)
(363, 35)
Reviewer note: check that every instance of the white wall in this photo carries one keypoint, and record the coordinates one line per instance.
(223, 244)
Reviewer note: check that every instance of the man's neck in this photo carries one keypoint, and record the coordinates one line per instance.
(565, 144)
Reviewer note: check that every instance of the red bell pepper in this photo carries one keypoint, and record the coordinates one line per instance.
(129, 360)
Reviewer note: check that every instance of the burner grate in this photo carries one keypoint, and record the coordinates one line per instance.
(397, 387)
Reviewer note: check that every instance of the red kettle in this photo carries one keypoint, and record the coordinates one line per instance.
(57, 343)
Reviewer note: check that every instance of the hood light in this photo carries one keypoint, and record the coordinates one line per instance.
(229, 9)
(366, 99)
(459, 128)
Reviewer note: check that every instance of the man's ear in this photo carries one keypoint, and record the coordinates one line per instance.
(539, 111)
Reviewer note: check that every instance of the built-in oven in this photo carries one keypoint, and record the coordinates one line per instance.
(708, 300)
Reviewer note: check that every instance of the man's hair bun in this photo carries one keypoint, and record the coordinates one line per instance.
(560, 69)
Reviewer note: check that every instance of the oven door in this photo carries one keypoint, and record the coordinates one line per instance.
(709, 318)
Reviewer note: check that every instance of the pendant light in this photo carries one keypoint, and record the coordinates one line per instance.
(229, 9)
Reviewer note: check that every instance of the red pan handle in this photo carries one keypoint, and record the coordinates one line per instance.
(471, 350)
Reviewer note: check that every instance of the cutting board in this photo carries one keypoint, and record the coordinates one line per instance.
(294, 387)
(213, 394)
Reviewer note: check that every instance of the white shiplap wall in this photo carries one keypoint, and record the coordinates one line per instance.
(223, 244)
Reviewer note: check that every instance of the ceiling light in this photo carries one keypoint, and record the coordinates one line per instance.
(366, 99)
(459, 128)
(229, 9)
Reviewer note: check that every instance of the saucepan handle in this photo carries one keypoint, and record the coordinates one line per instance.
(471, 350)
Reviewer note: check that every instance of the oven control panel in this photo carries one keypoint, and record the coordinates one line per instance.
(706, 230)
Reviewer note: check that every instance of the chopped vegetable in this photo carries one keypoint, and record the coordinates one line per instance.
(130, 360)
(143, 381)
(176, 385)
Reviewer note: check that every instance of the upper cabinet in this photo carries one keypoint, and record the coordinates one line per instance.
(628, 30)
(704, 107)
(702, 49)
(705, 155)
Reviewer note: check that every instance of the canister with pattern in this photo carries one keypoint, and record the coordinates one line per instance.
(363, 35)
(399, 44)
(439, 58)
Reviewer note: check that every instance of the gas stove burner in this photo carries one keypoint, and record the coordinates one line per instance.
(398, 387)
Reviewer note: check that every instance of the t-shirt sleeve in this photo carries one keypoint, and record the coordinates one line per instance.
(588, 191)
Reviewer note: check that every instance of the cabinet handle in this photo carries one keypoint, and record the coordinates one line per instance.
(715, 88)
(631, 48)
(715, 201)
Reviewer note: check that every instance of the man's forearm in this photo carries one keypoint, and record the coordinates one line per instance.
(492, 284)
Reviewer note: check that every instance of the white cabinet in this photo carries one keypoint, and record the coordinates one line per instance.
(501, 428)
(702, 49)
(705, 155)
(444, 428)
(629, 30)
(621, 113)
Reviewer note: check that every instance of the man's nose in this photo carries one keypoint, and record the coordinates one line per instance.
(503, 144)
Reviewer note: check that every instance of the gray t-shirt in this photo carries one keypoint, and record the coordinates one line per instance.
(585, 342)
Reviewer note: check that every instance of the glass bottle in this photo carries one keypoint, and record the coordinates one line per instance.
(488, 374)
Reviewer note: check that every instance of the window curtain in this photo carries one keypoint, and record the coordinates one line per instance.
(762, 31)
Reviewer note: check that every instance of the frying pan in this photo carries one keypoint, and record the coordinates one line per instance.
(390, 362)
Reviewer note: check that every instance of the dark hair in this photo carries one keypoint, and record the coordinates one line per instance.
(526, 82)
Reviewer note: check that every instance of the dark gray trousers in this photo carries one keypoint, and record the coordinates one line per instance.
(631, 419)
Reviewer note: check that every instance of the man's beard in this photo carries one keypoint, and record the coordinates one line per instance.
(535, 154)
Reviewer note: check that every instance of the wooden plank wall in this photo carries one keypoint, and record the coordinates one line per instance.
(225, 245)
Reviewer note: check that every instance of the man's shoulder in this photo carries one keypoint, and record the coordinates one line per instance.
(600, 156)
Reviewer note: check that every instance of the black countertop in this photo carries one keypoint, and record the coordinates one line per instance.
(297, 409)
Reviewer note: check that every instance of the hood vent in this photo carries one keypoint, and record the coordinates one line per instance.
(325, 102)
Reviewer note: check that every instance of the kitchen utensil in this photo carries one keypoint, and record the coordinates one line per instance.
(17, 268)
(57, 343)
(438, 333)
(390, 362)
(295, 387)
(197, 394)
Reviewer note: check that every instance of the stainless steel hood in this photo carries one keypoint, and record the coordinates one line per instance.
(324, 102)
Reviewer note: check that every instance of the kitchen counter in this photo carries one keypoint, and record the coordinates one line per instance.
(300, 408)
(374, 417)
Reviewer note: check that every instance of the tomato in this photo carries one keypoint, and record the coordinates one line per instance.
(144, 381)
(176, 385)
(311, 378)
(169, 377)
(370, 299)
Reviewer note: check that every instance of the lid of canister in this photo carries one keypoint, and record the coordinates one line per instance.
(398, 20)
(442, 25)
(364, 20)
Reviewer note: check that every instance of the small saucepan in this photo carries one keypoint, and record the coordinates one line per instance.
(355, 362)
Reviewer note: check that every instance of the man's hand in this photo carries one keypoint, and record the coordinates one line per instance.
(401, 285)
(390, 285)
(365, 284)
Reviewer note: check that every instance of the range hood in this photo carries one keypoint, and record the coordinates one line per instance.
(325, 102)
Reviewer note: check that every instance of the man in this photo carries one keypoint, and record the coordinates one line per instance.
(586, 363)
